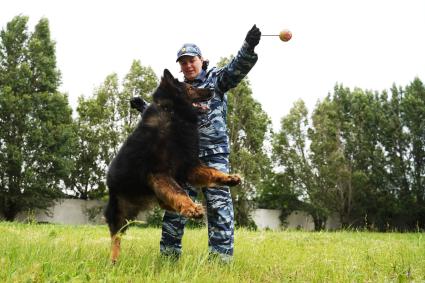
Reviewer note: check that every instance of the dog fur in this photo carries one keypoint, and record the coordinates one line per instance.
(157, 157)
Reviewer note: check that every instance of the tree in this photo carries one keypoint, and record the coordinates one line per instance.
(277, 192)
(140, 81)
(347, 153)
(372, 176)
(301, 186)
(35, 119)
(412, 115)
(104, 121)
(403, 139)
(248, 126)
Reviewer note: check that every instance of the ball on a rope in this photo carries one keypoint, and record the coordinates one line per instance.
(285, 35)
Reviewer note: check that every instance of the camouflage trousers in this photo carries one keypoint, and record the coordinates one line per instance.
(219, 214)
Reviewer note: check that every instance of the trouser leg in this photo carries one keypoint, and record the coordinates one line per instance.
(219, 211)
(220, 221)
(173, 229)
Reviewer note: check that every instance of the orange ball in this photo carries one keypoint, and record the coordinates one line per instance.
(285, 35)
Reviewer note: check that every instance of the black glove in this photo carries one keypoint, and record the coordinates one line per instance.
(253, 37)
(138, 103)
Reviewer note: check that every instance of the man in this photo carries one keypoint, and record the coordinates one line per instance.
(214, 145)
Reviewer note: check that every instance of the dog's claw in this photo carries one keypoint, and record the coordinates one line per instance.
(232, 180)
(196, 211)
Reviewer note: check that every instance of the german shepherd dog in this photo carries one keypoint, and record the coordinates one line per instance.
(159, 156)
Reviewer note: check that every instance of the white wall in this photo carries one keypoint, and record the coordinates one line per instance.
(69, 211)
(75, 212)
(266, 218)
(269, 218)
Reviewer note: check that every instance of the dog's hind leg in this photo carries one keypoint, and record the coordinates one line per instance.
(117, 213)
(173, 197)
(115, 222)
(204, 176)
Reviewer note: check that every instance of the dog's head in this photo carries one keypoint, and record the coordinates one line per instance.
(173, 95)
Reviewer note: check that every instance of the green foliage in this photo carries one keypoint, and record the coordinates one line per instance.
(361, 157)
(36, 138)
(104, 121)
(140, 81)
(360, 154)
(249, 127)
(299, 188)
(278, 193)
(154, 217)
(45, 76)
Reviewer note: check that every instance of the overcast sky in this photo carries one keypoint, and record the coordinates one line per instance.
(369, 44)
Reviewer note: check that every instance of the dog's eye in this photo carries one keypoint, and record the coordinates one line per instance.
(166, 107)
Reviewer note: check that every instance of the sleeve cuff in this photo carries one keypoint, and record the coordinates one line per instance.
(248, 51)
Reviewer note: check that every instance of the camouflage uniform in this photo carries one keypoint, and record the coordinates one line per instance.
(214, 152)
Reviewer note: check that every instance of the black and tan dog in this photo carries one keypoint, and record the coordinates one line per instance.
(158, 156)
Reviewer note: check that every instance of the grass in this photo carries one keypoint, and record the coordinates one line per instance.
(59, 253)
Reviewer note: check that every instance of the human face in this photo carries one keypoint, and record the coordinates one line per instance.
(191, 66)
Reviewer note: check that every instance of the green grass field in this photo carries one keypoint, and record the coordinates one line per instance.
(58, 253)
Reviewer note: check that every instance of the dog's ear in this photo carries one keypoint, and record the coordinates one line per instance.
(168, 75)
(168, 81)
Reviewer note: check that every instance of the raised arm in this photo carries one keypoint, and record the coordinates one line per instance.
(232, 74)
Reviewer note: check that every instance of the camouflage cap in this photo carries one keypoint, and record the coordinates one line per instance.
(188, 49)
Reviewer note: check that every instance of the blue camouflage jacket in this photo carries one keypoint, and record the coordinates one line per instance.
(213, 136)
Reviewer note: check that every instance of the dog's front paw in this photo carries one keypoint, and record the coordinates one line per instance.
(232, 180)
(193, 211)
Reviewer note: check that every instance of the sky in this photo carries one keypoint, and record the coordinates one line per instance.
(370, 44)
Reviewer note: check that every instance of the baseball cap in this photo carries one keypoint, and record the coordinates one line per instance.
(188, 49)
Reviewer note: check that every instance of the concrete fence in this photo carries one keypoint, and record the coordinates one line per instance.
(298, 220)
(68, 211)
(77, 212)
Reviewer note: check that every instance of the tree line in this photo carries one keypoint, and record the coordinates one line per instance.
(360, 154)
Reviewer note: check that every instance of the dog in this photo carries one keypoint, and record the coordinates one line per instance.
(158, 157)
